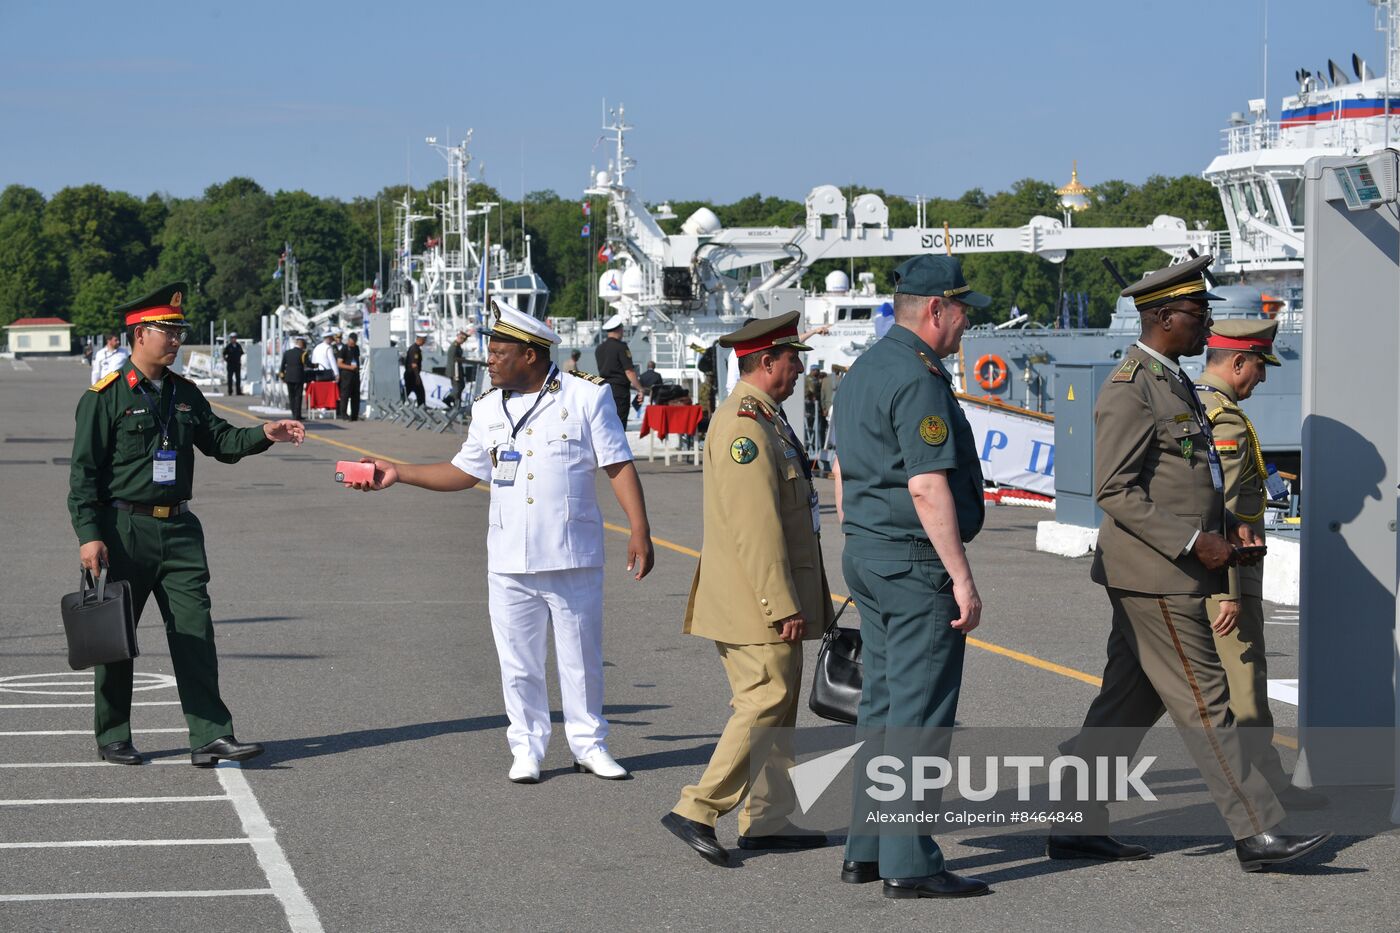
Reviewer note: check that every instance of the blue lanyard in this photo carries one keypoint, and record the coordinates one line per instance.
(155, 411)
(516, 426)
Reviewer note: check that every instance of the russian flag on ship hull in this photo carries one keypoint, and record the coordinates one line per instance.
(1339, 110)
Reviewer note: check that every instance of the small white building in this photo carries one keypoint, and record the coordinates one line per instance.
(32, 335)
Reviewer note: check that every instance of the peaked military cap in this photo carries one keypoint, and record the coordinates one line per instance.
(1185, 280)
(764, 334)
(1245, 335)
(514, 326)
(936, 277)
(162, 306)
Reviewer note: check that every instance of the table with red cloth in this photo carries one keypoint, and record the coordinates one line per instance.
(322, 395)
(670, 419)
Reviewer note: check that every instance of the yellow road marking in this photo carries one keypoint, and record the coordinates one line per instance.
(1028, 659)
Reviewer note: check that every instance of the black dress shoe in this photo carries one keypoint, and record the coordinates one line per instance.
(698, 836)
(1102, 848)
(860, 872)
(1298, 798)
(227, 748)
(789, 841)
(1267, 849)
(943, 884)
(120, 753)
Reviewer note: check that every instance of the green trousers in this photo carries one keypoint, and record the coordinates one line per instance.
(164, 557)
(1247, 671)
(913, 664)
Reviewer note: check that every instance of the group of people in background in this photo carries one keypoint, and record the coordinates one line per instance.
(338, 355)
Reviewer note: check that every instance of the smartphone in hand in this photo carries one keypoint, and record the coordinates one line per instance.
(352, 471)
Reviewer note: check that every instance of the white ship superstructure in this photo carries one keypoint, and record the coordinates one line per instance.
(1260, 172)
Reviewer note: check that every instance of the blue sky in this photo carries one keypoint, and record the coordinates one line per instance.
(728, 98)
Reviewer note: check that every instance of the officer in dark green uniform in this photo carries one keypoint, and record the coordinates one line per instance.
(129, 489)
(912, 496)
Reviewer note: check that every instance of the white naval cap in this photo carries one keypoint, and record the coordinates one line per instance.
(516, 326)
(613, 323)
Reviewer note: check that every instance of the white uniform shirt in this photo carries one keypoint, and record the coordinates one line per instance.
(105, 361)
(324, 357)
(548, 519)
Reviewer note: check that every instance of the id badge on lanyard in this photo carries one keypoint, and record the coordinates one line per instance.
(163, 467)
(815, 502)
(507, 463)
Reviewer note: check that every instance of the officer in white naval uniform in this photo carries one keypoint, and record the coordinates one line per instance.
(109, 359)
(323, 356)
(538, 437)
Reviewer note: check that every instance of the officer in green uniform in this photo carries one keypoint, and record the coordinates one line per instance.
(912, 497)
(129, 488)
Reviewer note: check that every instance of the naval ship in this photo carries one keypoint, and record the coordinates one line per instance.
(678, 293)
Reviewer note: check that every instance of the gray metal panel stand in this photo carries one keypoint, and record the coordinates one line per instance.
(1351, 449)
(1080, 384)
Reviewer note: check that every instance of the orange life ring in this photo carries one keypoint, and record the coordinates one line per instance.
(996, 378)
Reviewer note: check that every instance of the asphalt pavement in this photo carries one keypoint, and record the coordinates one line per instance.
(354, 641)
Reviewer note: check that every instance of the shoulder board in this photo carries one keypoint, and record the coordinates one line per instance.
(486, 393)
(1127, 371)
(929, 364)
(596, 380)
(105, 381)
(750, 407)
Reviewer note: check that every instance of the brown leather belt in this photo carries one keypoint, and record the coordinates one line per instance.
(155, 511)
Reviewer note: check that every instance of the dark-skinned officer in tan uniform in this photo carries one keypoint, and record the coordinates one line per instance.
(1164, 544)
(759, 591)
(1238, 355)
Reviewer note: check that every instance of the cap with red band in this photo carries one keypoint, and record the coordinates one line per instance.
(765, 334)
(162, 306)
(1245, 335)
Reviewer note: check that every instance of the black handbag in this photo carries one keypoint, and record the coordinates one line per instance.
(837, 681)
(99, 622)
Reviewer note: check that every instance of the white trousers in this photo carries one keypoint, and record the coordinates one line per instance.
(522, 607)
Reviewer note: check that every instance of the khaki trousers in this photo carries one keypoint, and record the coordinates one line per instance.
(1162, 658)
(766, 682)
(1247, 670)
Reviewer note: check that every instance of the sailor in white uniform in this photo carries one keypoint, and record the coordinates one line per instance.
(109, 359)
(323, 357)
(538, 437)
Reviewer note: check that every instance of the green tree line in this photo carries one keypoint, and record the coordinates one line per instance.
(82, 252)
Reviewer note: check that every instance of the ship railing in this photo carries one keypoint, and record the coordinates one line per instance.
(1251, 137)
(1221, 246)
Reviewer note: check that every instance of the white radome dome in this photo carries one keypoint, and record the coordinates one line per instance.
(838, 282)
(631, 281)
(610, 285)
(702, 223)
(602, 179)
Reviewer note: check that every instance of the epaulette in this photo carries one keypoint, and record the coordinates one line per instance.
(486, 393)
(596, 380)
(1127, 371)
(105, 381)
(750, 407)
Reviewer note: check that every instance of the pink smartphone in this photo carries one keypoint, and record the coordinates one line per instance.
(351, 471)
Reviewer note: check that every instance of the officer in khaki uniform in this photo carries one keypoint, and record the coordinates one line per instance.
(760, 589)
(1237, 356)
(1162, 552)
(130, 482)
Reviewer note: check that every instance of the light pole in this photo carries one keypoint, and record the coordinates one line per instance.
(1074, 197)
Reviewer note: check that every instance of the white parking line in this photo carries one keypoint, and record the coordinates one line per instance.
(87, 764)
(83, 731)
(1285, 691)
(121, 843)
(81, 705)
(68, 801)
(301, 915)
(130, 895)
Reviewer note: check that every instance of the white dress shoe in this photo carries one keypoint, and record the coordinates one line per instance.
(525, 770)
(602, 765)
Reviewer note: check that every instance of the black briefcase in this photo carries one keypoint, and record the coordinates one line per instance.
(99, 622)
(836, 684)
